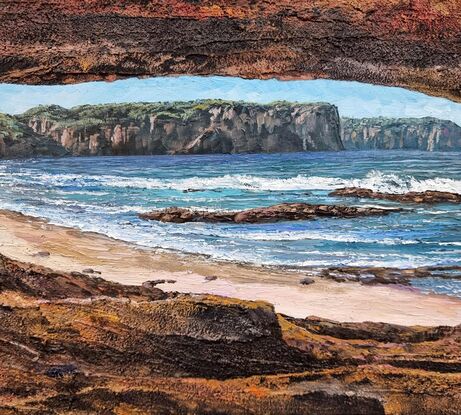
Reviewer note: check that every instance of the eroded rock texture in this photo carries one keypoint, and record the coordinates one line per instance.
(200, 127)
(428, 196)
(389, 275)
(275, 213)
(74, 344)
(426, 134)
(17, 140)
(414, 43)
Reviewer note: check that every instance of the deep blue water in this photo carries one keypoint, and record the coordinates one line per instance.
(105, 195)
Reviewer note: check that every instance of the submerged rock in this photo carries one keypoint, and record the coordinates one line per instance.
(429, 196)
(281, 212)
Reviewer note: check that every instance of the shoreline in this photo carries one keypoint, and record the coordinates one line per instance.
(70, 249)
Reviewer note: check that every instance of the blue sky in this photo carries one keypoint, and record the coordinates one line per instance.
(352, 98)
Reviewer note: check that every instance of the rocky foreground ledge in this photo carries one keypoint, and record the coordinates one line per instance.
(429, 196)
(71, 343)
(275, 213)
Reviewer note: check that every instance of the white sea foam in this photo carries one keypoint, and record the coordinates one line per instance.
(319, 236)
(224, 242)
(375, 180)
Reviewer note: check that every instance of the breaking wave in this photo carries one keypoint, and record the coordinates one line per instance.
(375, 180)
(322, 236)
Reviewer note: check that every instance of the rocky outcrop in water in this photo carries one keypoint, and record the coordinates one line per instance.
(429, 196)
(389, 275)
(200, 127)
(427, 134)
(71, 343)
(281, 212)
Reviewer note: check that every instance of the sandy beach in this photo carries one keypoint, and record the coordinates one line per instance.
(29, 239)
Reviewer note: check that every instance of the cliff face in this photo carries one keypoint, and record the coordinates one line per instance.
(414, 44)
(189, 128)
(427, 134)
(212, 126)
(17, 140)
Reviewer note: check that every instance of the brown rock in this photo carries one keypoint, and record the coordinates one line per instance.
(408, 44)
(39, 282)
(389, 275)
(79, 345)
(429, 196)
(281, 212)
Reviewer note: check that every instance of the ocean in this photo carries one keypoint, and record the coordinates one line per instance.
(105, 195)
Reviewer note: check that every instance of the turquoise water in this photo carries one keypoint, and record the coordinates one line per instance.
(106, 194)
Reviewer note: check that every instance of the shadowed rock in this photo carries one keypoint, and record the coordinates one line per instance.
(66, 349)
(429, 196)
(425, 134)
(17, 140)
(195, 127)
(281, 212)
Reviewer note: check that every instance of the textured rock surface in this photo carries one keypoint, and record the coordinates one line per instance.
(17, 140)
(212, 126)
(389, 275)
(105, 348)
(188, 127)
(427, 134)
(414, 44)
(281, 212)
(429, 196)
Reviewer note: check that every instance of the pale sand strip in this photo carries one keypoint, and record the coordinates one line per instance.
(72, 250)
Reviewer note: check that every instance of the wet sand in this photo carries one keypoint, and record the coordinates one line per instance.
(22, 237)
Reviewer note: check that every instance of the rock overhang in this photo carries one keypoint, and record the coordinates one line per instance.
(412, 44)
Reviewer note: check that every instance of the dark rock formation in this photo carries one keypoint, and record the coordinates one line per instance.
(76, 344)
(429, 196)
(389, 275)
(414, 44)
(197, 127)
(307, 281)
(381, 332)
(281, 212)
(427, 134)
(17, 140)
(35, 281)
